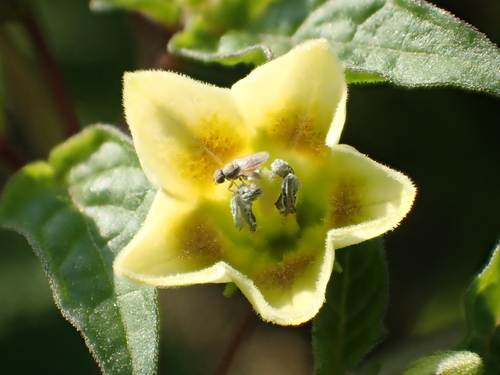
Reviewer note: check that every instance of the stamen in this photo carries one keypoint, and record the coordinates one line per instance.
(241, 205)
(287, 201)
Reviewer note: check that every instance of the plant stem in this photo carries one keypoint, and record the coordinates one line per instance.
(243, 331)
(53, 76)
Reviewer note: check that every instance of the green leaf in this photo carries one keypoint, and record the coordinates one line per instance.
(77, 211)
(265, 31)
(162, 10)
(350, 322)
(446, 363)
(482, 312)
(408, 42)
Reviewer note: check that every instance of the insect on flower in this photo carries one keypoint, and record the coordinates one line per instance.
(239, 168)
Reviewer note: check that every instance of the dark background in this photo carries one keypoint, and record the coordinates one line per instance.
(446, 139)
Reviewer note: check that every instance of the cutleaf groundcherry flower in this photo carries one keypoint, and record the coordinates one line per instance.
(276, 243)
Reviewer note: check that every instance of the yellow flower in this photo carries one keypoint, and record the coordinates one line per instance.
(293, 108)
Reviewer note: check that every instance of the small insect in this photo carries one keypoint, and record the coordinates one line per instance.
(241, 167)
(241, 205)
(255, 175)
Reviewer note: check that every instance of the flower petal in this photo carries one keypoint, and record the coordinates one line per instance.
(292, 291)
(296, 101)
(183, 130)
(364, 199)
(182, 244)
(164, 253)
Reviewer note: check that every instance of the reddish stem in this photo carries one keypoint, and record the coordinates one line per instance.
(53, 76)
(244, 329)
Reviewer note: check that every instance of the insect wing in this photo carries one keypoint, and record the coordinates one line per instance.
(251, 162)
(255, 175)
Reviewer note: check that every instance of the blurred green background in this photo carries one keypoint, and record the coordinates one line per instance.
(447, 140)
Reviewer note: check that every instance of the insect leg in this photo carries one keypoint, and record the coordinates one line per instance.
(230, 185)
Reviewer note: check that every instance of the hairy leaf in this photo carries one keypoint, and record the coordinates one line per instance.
(77, 211)
(408, 42)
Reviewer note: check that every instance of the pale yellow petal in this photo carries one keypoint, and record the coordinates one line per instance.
(164, 253)
(292, 107)
(366, 199)
(180, 244)
(295, 101)
(292, 291)
(183, 130)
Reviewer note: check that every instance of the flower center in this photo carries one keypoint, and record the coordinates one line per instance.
(247, 168)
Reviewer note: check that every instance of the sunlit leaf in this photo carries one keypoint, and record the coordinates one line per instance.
(405, 41)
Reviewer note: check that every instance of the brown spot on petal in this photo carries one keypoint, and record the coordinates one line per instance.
(198, 239)
(284, 274)
(344, 205)
(294, 130)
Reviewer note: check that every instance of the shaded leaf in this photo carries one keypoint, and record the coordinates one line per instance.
(482, 312)
(350, 322)
(77, 211)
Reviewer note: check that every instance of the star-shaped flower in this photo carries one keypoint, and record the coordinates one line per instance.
(292, 108)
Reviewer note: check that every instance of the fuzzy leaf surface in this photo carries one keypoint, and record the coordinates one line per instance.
(409, 42)
(77, 211)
